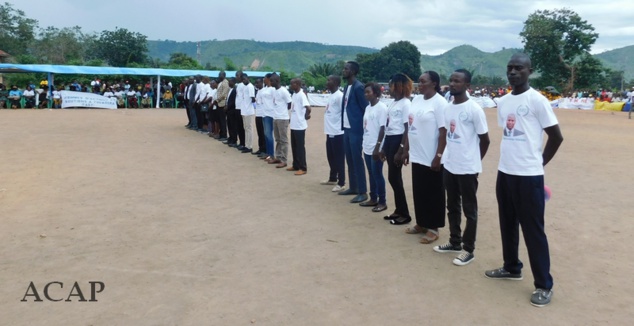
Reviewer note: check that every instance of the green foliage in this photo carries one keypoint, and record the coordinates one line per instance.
(16, 31)
(401, 56)
(59, 46)
(121, 47)
(229, 65)
(619, 59)
(559, 43)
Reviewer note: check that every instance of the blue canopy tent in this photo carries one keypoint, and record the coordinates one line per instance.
(88, 70)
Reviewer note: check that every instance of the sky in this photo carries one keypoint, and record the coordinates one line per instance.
(434, 26)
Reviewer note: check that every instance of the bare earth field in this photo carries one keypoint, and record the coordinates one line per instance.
(183, 230)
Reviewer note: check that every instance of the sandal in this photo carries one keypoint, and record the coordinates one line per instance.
(429, 237)
(415, 229)
(379, 208)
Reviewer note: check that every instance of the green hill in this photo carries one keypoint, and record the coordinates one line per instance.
(293, 56)
(619, 59)
(298, 56)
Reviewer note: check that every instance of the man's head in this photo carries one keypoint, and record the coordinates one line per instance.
(518, 70)
(213, 84)
(267, 79)
(232, 82)
(258, 83)
(275, 81)
(296, 85)
(239, 75)
(452, 126)
(205, 80)
(333, 83)
(459, 82)
(197, 78)
(510, 121)
(245, 79)
(350, 70)
(221, 75)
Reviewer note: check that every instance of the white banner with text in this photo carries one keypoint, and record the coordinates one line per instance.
(87, 100)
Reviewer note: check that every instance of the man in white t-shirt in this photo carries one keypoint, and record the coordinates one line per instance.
(248, 112)
(266, 96)
(300, 113)
(259, 118)
(281, 105)
(462, 160)
(239, 105)
(520, 180)
(334, 136)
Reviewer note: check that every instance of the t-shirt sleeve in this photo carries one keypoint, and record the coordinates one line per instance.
(305, 100)
(251, 91)
(480, 120)
(544, 113)
(499, 113)
(382, 116)
(286, 96)
(439, 113)
(407, 104)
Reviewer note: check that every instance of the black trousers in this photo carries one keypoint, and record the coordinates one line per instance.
(390, 146)
(429, 196)
(232, 125)
(240, 126)
(336, 159)
(222, 121)
(298, 139)
(200, 115)
(461, 191)
(259, 126)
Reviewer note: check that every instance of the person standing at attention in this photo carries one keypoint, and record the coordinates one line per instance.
(463, 162)
(281, 101)
(353, 108)
(300, 113)
(427, 138)
(520, 180)
(248, 112)
(394, 145)
(374, 121)
(334, 136)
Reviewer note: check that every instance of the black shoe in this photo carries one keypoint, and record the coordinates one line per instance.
(240, 147)
(256, 153)
(347, 192)
(246, 150)
(359, 198)
(401, 220)
(234, 145)
(224, 139)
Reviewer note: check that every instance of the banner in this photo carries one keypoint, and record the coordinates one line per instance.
(583, 103)
(87, 100)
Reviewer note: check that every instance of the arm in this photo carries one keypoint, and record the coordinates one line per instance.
(442, 142)
(307, 114)
(378, 154)
(402, 154)
(552, 144)
(484, 144)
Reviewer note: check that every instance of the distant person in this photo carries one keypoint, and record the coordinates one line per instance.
(232, 114)
(4, 95)
(300, 113)
(29, 97)
(15, 95)
(520, 180)
(334, 136)
(462, 161)
(239, 123)
(248, 112)
(267, 121)
(221, 102)
(354, 104)
(281, 101)
(259, 118)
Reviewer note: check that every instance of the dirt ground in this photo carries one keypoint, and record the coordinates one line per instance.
(183, 230)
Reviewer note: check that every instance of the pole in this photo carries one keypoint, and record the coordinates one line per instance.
(158, 91)
(51, 81)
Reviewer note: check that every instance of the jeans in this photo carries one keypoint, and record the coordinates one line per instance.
(268, 135)
(336, 159)
(377, 182)
(521, 202)
(461, 191)
(353, 146)
(193, 118)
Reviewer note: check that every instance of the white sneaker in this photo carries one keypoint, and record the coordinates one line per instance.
(338, 188)
(328, 182)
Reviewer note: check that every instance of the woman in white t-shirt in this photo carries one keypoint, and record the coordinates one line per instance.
(426, 143)
(374, 120)
(394, 144)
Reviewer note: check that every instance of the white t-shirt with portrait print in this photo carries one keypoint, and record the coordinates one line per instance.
(426, 117)
(332, 115)
(462, 153)
(521, 150)
(248, 92)
(397, 114)
(374, 118)
(281, 98)
(298, 111)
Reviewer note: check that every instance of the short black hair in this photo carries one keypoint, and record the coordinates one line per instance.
(376, 88)
(268, 75)
(466, 73)
(354, 66)
(435, 78)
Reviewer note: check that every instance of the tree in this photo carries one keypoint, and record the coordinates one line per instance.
(558, 42)
(181, 60)
(60, 46)
(16, 31)
(120, 47)
(401, 56)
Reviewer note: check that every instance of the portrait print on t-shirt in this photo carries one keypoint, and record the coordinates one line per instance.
(510, 130)
(452, 130)
(410, 119)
